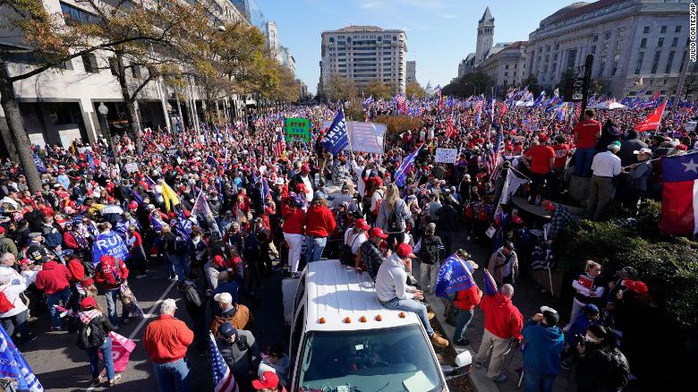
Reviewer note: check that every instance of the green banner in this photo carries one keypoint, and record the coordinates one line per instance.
(297, 130)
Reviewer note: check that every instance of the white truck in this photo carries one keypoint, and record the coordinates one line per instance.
(344, 340)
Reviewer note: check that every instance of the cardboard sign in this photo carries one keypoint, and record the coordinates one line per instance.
(297, 130)
(446, 155)
(131, 167)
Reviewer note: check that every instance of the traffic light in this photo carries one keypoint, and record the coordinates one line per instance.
(577, 89)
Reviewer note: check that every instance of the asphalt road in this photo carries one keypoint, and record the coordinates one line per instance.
(61, 366)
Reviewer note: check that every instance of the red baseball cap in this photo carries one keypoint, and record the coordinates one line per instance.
(377, 232)
(88, 303)
(267, 380)
(405, 251)
(361, 224)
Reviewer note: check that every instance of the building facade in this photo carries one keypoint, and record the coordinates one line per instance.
(61, 104)
(636, 44)
(507, 65)
(411, 72)
(365, 54)
(485, 36)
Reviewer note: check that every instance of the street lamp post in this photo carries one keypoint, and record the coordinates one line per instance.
(169, 110)
(103, 111)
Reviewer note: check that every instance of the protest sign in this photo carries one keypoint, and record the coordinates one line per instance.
(297, 130)
(131, 167)
(446, 155)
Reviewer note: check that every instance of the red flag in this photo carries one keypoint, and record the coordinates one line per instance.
(450, 129)
(651, 123)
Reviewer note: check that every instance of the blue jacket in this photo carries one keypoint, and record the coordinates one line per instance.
(543, 349)
(578, 327)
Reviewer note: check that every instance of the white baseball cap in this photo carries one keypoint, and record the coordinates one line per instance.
(225, 298)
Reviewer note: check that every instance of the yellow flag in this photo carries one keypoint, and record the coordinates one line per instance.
(170, 197)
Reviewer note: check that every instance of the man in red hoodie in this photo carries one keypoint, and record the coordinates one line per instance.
(503, 322)
(54, 279)
(112, 273)
(320, 225)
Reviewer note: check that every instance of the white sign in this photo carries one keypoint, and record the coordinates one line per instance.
(446, 155)
(364, 136)
(131, 167)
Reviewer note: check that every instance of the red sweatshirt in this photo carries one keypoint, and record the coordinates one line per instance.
(502, 318)
(53, 277)
(468, 299)
(294, 222)
(77, 271)
(320, 222)
(167, 339)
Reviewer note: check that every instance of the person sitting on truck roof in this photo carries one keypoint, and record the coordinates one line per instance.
(370, 256)
(394, 293)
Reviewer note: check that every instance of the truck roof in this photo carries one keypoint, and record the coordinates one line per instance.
(339, 299)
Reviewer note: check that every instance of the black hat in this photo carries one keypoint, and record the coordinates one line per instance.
(226, 330)
(551, 316)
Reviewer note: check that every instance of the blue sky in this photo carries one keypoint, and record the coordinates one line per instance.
(439, 32)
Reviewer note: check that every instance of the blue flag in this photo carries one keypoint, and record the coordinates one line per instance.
(337, 139)
(454, 275)
(90, 160)
(490, 284)
(183, 228)
(111, 244)
(13, 365)
(401, 172)
(39, 164)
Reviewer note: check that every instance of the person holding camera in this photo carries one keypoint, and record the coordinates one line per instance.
(543, 350)
(240, 351)
(601, 366)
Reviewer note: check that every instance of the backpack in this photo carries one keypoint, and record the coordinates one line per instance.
(429, 251)
(91, 336)
(617, 376)
(378, 204)
(88, 267)
(394, 220)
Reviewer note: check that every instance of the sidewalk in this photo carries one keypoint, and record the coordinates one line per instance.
(528, 298)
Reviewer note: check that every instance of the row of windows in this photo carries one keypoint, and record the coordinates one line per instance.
(660, 42)
(655, 62)
(662, 30)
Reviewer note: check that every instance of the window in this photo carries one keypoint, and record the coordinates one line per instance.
(683, 61)
(638, 65)
(643, 43)
(557, 46)
(555, 57)
(660, 42)
(74, 15)
(89, 62)
(113, 66)
(506, 66)
(607, 35)
(595, 38)
(619, 44)
(678, 29)
(615, 64)
(646, 30)
(136, 71)
(669, 60)
(674, 42)
(655, 61)
(593, 50)
(663, 30)
(506, 73)
(571, 58)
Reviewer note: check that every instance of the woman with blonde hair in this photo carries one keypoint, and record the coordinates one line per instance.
(588, 288)
(393, 216)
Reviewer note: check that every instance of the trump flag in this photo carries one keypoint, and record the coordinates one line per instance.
(13, 366)
(337, 138)
(680, 195)
(651, 123)
(454, 275)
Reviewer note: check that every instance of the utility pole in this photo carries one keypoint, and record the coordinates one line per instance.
(587, 81)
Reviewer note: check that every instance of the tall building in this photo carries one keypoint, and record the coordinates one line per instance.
(485, 36)
(272, 41)
(629, 39)
(483, 47)
(252, 13)
(411, 71)
(287, 59)
(365, 54)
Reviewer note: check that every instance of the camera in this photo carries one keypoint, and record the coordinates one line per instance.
(581, 339)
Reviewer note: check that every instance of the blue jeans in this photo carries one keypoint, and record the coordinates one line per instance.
(411, 305)
(462, 321)
(180, 264)
(17, 324)
(56, 299)
(106, 355)
(172, 376)
(533, 381)
(112, 295)
(582, 161)
(314, 248)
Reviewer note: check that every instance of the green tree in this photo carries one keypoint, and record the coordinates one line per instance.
(339, 88)
(413, 89)
(473, 83)
(378, 90)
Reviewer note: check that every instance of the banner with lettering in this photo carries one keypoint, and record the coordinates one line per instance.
(109, 243)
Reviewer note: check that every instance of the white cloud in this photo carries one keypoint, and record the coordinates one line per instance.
(371, 5)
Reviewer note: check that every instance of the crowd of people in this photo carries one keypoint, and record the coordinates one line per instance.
(225, 208)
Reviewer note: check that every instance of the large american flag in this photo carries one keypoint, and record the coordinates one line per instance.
(493, 158)
(223, 378)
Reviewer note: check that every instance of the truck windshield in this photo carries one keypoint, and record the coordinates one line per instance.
(381, 360)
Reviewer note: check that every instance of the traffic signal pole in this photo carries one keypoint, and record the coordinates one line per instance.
(587, 81)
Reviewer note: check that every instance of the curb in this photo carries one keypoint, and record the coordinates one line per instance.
(478, 377)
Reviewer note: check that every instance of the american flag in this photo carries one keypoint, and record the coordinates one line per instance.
(493, 158)
(223, 378)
